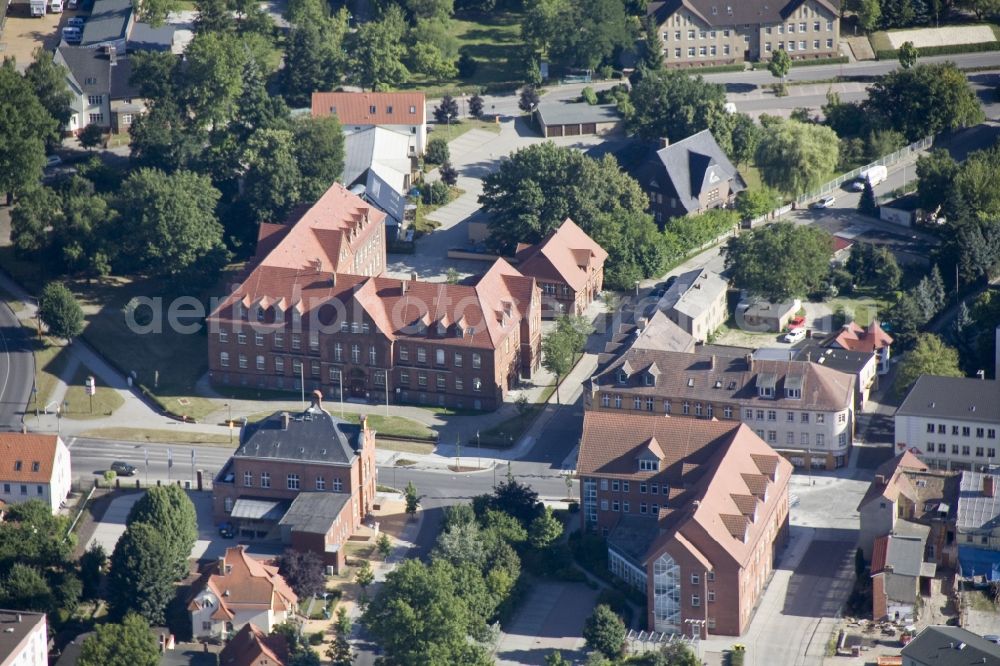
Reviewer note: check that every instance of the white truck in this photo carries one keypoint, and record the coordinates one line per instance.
(56, 6)
(38, 7)
(873, 175)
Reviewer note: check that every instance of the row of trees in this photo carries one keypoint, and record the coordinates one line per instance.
(443, 611)
(887, 14)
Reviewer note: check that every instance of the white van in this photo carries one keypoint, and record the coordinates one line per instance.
(56, 6)
(875, 174)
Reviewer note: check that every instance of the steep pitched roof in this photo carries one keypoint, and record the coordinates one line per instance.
(373, 146)
(371, 108)
(696, 164)
(311, 436)
(243, 583)
(693, 292)
(567, 255)
(250, 644)
(959, 398)
(718, 13)
(868, 339)
(27, 458)
(887, 477)
(89, 67)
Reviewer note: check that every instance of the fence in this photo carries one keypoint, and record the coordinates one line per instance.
(885, 160)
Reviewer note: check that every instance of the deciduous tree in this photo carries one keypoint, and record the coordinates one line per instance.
(318, 144)
(544, 530)
(930, 356)
(92, 564)
(755, 202)
(273, 181)
(673, 104)
(412, 498)
(449, 174)
(908, 55)
(58, 309)
(446, 110)
(25, 125)
(304, 572)
(476, 106)
(49, 83)
(779, 65)
(869, 14)
(529, 99)
(25, 588)
(138, 581)
(794, 156)
(604, 631)
(130, 643)
(805, 258)
(378, 51)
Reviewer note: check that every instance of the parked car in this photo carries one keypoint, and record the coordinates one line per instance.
(122, 468)
(72, 35)
(856, 185)
(76, 21)
(795, 335)
(52, 160)
(824, 202)
(227, 531)
(72, 4)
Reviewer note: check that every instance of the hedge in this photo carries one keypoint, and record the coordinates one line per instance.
(839, 60)
(947, 49)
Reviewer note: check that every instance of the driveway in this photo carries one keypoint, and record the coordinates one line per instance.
(551, 618)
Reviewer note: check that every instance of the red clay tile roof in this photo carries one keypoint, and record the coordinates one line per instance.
(251, 644)
(355, 108)
(248, 583)
(892, 482)
(28, 458)
(567, 255)
(870, 339)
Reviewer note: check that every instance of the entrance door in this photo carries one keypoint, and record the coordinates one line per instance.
(357, 382)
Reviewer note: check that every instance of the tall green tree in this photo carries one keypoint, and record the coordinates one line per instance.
(604, 631)
(793, 156)
(412, 498)
(130, 643)
(48, 80)
(273, 181)
(755, 202)
(25, 588)
(155, 12)
(37, 211)
(25, 125)
(805, 253)
(32, 535)
(213, 79)
(557, 356)
(314, 58)
(92, 564)
(930, 356)
(168, 223)
(868, 204)
(378, 50)
(58, 309)
(936, 175)
(170, 511)
(138, 581)
(544, 530)
(779, 65)
(869, 14)
(924, 100)
(318, 144)
(908, 55)
(673, 104)
(214, 16)
(652, 45)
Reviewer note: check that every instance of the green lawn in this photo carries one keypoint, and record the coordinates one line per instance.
(393, 426)
(80, 406)
(859, 308)
(155, 435)
(421, 224)
(50, 361)
(880, 41)
(455, 130)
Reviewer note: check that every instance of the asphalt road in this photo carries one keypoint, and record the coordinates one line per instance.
(17, 369)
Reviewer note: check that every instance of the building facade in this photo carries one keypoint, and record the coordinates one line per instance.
(34, 467)
(696, 302)
(951, 422)
(695, 513)
(801, 409)
(698, 33)
(398, 111)
(23, 638)
(569, 268)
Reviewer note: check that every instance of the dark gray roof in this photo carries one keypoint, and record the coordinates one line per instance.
(563, 113)
(960, 398)
(145, 37)
(905, 554)
(107, 22)
(90, 68)
(839, 359)
(15, 625)
(694, 164)
(359, 150)
(259, 508)
(311, 436)
(121, 87)
(735, 12)
(314, 512)
(951, 646)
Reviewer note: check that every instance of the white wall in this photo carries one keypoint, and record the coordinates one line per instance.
(911, 431)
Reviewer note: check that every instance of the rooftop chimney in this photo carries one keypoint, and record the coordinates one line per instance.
(402, 286)
(413, 276)
(333, 279)
(317, 399)
(981, 374)
(988, 486)
(664, 142)
(222, 566)
(749, 360)
(285, 419)
(880, 479)
(713, 362)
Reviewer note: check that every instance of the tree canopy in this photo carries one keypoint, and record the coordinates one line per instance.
(25, 125)
(605, 632)
(170, 511)
(793, 156)
(130, 643)
(59, 310)
(673, 104)
(930, 356)
(780, 261)
(138, 581)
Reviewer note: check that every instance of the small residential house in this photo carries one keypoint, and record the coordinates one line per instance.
(251, 646)
(695, 513)
(688, 177)
(950, 646)
(952, 422)
(898, 572)
(98, 78)
(699, 33)
(761, 316)
(568, 266)
(239, 590)
(696, 302)
(561, 118)
(284, 457)
(23, 638)
(34, 467)
(657, 332)
(403, 112)
(379, 165)
(977, 528)
(871, 339)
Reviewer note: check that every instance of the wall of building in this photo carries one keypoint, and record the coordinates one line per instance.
(974, 445)
(878, 518)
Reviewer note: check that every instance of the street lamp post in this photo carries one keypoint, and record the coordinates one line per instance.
(229, 422)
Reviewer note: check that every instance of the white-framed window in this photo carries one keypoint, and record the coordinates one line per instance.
(690, 52)
(96, 118)
(260, 362)
(355, 353)
(258, 339)
(292, 482)
(224, 359)
(320, 483)
(228, 504)
(279, 339)
(338, 485)
(241, 338)
(248, 479)
(243, 361)
(421, 355)
(458, 360)
(265, 479)
(279, 364)
(296, 341)
(477, 361)
(404, 353)
(371, 355)
(649, 465)
(223, 336)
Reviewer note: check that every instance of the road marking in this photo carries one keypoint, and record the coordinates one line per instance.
(72, 441)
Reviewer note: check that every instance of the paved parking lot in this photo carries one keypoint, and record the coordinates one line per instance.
(551, 618)
(22, 34)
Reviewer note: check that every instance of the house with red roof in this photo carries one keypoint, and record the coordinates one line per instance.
(404, 112)
(871, 339)
(694, 511)
(253, 647)
(313, 308)
(569, 267)
(34, 466)
(237, 591)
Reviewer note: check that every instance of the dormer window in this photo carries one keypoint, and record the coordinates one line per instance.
(766, 392)
(650, 380)
(622, 377)
(690, 382)
(793, 393)
(649, 465)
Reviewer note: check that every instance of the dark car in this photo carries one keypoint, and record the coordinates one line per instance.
(226, 531)
(122, 468)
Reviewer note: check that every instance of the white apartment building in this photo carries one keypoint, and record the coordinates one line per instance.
(23, 639)
(34, 467)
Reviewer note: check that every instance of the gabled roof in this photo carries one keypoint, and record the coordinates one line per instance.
(311, 436)
(356, 108)
(27, 458)
(566, 255)
(957, 398)
(902, 555)
(718, 13)
(887, 477)
(693, 292)
(696, 164)
(314, 512)
(251, 644)
(108, 21)
(869, 339)
(90, 69)
(239, 582)
(951, 646)
(376, 145)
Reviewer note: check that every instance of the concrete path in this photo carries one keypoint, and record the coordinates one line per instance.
(112, 524)
(551, 618)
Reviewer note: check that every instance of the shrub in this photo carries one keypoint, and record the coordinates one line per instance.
(437, 151)
(434, 194)
(589, 96)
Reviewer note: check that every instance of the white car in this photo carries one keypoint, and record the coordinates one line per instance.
(795, 335)
(824, 202)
